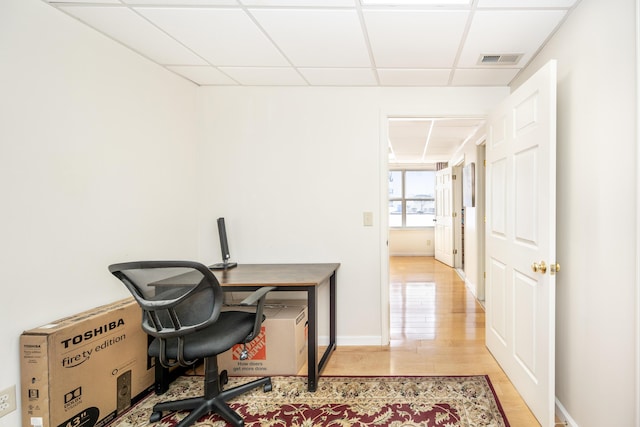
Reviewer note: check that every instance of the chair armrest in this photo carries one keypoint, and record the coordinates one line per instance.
(258, 296)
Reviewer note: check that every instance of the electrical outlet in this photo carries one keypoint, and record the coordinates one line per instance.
(7, 400)
(428, 242)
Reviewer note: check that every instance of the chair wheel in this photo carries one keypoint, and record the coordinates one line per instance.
(224, 377)
(156, 416)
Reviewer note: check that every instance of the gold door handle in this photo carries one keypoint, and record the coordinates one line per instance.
(554, 268)
(542, 267)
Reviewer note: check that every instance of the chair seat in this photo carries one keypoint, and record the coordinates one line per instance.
(231, 328)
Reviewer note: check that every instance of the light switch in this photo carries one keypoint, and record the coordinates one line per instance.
(367, 219)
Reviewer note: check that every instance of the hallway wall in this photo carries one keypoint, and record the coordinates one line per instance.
(411, 242)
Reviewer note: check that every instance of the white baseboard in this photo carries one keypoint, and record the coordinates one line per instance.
(563, 415)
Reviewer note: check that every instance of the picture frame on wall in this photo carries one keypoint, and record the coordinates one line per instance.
(469, 185)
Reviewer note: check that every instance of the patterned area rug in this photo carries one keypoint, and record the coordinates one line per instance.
(343, 402)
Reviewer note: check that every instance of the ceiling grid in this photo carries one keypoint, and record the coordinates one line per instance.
(339, 43)
(329, 42)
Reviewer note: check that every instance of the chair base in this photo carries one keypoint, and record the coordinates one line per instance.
(214, 400)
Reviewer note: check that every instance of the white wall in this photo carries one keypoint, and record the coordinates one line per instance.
(596, 212)
(293, 169)
(411, 242)
(474, 267)
(97, 154)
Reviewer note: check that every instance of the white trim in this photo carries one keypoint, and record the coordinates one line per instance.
(385, 321)
(564, 416)
(637, 311)
(478, 137)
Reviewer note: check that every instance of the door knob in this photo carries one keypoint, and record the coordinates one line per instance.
(554, 268)
(542, 267)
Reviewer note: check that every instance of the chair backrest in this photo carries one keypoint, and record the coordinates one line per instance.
(177, 297)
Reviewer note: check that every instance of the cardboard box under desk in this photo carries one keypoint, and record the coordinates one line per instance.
(281, 347)
(86, 369)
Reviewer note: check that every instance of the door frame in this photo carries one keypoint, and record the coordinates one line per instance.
(458, 233)
(637, 314)
(383, 167)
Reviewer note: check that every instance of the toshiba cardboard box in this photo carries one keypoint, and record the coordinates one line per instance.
(281, 347)
(86, 369)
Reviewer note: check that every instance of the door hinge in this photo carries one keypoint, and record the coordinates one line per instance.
(485, 219)
(455, 251)
(485, 274)
(485, 163)
(455, 214)
(453, 177)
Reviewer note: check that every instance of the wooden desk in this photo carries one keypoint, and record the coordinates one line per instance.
(286, 277)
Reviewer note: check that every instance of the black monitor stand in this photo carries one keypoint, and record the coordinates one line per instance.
(223, 265)
(224, 249)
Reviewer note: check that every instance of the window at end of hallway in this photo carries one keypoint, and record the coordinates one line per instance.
(411, 198)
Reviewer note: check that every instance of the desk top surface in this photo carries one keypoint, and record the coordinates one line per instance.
(276, 274)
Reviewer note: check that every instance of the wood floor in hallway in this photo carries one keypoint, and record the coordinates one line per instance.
(437, 328)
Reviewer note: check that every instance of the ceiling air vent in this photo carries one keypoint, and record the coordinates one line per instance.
(504, 59)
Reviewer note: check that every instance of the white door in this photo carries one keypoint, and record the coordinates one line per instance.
(520, 233)
(443, 235)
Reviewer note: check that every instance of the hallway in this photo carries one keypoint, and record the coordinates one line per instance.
(437, 328)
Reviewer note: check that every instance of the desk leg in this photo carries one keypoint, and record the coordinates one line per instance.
(332, 323)
(315, 366)
(312, 344)
(332, 315)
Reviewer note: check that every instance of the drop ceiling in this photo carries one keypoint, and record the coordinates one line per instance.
(352, 43)
(429, 140)
(330, 42)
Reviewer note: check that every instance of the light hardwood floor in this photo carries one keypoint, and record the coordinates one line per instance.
(437, 328)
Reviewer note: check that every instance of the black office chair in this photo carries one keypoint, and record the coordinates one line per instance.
(181, 308)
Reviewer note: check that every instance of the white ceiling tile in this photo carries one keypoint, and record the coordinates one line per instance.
(130, 29)
(484, 76)
(318, 37)
(510, 4)
(203, 75)
(257, 76)
(416, 38)
(408, 146)
(405, 77)
(183, 3)
(53, 2)
(443, 137)
(339, 76)
(299, 3)
(225, 37)
(508, 32)
(439, 3)
(409, 127)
